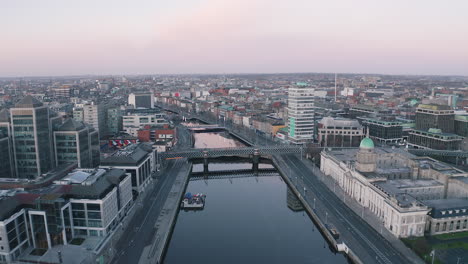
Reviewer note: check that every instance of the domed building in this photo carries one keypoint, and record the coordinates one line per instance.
(366, 157)
(395, 185)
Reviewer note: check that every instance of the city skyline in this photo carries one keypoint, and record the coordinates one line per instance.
(53, 38)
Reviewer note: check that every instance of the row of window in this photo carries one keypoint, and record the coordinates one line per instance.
(457, 211)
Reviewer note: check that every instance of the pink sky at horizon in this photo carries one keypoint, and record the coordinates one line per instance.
(233, 36)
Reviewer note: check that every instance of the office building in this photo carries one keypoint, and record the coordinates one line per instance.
(435, 116)
(7, 167)
(339, 132)
(73, 144)
(434, 138)
(461, 125)
(384, 131)
(301, 111)
(31, 136)
(136, 159)
(141, 100)
(114, 120)
(136, 121)
(6, 155)
(85, 203)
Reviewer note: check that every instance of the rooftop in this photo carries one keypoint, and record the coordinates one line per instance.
(28, 102)
(131, 155)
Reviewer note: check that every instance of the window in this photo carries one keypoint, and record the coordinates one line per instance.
(93, 207)
(78, 206)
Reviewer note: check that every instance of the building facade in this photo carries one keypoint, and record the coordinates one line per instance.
(393, 184)
(143, 100)
(434, 138)
(31, 136)
(435, 116)
(339, 132)
(139, 160)
(73, 143)
(136, 121)
(384, 131)
(301, 114)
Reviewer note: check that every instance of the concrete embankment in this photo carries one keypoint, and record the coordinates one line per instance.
(323, 229)
(154, 253)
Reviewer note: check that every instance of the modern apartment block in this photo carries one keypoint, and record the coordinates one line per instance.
(301, 113)
(94, 115)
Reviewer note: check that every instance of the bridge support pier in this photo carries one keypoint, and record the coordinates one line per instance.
(255, 161)
(205, 162)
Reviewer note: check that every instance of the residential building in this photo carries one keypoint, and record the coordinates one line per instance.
(94, 115)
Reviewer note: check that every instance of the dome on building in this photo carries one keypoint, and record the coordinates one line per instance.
(367, 143)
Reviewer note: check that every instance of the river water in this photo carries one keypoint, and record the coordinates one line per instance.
(245, 220)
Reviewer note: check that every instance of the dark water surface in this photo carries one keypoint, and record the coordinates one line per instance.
(245, 220)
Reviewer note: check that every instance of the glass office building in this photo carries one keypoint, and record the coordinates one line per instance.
(31, 138)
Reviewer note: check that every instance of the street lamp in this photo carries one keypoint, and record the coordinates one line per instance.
(314, 203)
(326, 217)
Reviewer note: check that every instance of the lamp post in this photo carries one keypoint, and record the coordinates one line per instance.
(314, 203)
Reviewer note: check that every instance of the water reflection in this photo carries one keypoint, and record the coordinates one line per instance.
(246, 220)
(293, 202)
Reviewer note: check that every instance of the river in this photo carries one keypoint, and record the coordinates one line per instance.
(245, 220)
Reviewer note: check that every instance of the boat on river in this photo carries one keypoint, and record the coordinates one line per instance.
(193, 202)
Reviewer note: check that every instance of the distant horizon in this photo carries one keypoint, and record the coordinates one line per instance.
(227, 74)
(109, 37)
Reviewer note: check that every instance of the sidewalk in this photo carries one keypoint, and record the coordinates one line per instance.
(364, 212)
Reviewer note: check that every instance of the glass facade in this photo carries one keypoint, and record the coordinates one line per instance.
(73, 147)
(31, 140)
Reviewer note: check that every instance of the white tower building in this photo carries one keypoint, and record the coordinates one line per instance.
(301, 112)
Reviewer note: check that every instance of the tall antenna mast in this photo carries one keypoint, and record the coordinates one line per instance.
(335, 87)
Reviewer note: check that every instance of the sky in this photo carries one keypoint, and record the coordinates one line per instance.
(57, 37)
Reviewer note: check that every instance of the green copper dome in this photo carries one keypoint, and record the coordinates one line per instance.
(367, 143)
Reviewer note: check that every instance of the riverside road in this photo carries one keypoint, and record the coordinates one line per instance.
(366, 242)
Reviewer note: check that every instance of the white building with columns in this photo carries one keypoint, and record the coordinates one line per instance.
(392, 183)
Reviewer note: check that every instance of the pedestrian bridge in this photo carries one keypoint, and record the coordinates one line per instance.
(222, 152)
